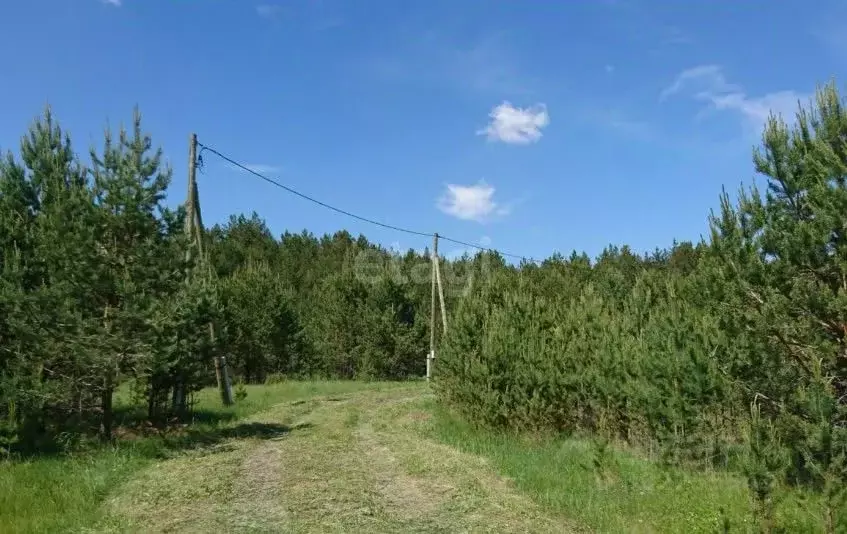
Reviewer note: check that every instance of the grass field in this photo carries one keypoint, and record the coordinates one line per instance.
(629, 493)
(65, 494)
(359, 457)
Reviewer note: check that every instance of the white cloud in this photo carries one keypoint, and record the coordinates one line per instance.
(116, 3)
(708, 83)
(470, 202)
(518, 126)
(268, 11)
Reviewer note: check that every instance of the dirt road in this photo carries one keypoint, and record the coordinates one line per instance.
(359, 462)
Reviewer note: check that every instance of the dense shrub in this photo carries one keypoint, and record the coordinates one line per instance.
(672, 350)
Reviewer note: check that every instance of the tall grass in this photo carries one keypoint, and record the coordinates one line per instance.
(611, 490)
(61, 494)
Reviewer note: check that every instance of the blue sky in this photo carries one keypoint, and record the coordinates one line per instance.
(531, 126)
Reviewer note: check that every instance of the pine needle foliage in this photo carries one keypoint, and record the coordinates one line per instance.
(669, 351)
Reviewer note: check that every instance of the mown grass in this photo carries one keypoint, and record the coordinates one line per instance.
(64, 493)
(569, 478)
(352, 463)
(620, 492)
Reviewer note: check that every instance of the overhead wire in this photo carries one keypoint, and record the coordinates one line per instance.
(486, 249)
(276, 183)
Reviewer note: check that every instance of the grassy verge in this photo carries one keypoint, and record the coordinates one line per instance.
(617, 492)
(64, 494)
(61, 494)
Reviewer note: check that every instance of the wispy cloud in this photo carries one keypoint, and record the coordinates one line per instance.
(268, 11)
(639, 21)
(620, 122)
(517, 126)
(318, 15)
(674, 35)
(710, 78)
(116, 3)
(261, 168)
(484, 66)
(323, 15)
(471, 202)
(488, 65)
(707, 83)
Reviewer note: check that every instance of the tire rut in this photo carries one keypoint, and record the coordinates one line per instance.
(354, 463)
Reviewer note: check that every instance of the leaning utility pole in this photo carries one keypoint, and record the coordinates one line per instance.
(440, 290)
(194, 230)
(436, 283)
(431, 355)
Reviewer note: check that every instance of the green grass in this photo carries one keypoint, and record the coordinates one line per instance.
(350, 463)
(397, 461)
(631, 495)
(263, 397)
(65, 493)
(61, 494)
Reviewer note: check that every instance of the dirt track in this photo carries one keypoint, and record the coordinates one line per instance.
(356, 463)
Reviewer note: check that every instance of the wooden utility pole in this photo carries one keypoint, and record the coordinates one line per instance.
(221, 372)
(431, 356)
(436, 282)
(440, 292)
(193, 223)
(194, 229)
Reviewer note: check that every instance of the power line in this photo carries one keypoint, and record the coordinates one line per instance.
(310, 199)
(486, 249)
(349, 214)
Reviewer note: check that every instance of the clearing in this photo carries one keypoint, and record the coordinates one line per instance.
(368, 457)
(352, 462)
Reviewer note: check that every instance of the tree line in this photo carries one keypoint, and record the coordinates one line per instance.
(101, 290)
(728, 352)
(731, 352)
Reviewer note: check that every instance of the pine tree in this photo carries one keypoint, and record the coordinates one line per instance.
(263, 333)
(182, 348)
(130, 185)
(787, 251)
(240, 242)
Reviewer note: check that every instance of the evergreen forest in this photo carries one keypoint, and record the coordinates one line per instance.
(727, 353)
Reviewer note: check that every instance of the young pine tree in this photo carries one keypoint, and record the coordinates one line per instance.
(263, 333)
(132, 247)
(786, 252)
(48, 220)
